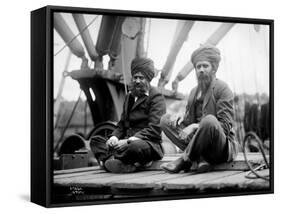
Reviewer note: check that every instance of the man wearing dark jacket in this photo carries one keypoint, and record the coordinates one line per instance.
(206, 132)
(136, 141)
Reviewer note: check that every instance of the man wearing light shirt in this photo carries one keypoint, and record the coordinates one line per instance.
(136, 141)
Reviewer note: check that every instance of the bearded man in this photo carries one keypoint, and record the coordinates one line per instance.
(136, 141)
(205, 133)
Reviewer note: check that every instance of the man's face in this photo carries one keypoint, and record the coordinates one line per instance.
(140, 84)
(204, 73)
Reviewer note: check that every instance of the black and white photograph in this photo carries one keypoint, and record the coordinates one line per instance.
(159, 106)
(140, 106)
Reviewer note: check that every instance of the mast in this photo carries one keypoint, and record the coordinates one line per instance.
(181, 35)
(85, 34)
(59, 97)
(214, 39)
(140, 42)
(69, 38)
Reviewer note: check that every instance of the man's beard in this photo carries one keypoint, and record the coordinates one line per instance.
(139, 89)
(204, 81)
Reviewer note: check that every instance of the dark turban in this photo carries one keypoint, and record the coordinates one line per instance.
(143, 65)
(207, 53)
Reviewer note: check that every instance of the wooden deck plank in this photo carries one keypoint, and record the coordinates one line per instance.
(238, 164)
(240, 156)
(106, 179)
(149, 181)
(77, 179)
(238, 181)
(230, 175)
(69, 171)
(79, 174)
(194, 181)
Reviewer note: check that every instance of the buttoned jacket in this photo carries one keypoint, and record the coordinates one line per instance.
(141, 119)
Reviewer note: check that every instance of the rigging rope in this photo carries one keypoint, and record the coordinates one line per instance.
(123, 70)
(85, 111)
(253, 173)
(85, 118)
(241, 125)
(251, 135)
(66, 44)
(265, 48)
(253, 62)
(68, 122)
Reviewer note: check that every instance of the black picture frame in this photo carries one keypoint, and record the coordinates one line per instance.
(43, 191)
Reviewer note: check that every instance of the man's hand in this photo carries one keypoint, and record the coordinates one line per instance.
(188, 130)
(121, 145)
(133, 138)
(111, 142)
(176, 119)
(180, 119)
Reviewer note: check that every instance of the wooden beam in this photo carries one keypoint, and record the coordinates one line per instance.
(117, 78)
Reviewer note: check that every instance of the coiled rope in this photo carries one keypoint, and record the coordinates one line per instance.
(247, 138)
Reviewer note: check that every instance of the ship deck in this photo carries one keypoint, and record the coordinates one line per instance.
(93, 183)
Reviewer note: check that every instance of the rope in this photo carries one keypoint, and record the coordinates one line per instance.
(85, 118)
(68, 122)
(265, 48)
(66, 44)
(91, 63)
(123, 70)
(253, 63)
(243, 94)
(261, 166)
(229, 76)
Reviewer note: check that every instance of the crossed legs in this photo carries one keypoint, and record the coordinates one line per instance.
(209, 142)
(137, 151)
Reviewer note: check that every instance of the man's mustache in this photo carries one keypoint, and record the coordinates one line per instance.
(138, 85)
(203, 76)
(138, 89)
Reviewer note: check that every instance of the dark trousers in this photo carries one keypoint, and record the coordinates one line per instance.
(208, 142)
(137, 151)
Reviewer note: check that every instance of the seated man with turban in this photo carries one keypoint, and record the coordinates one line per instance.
(136, 141)
(205, 133)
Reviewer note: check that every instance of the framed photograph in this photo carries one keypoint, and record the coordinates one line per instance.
(132, 106)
